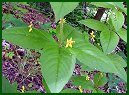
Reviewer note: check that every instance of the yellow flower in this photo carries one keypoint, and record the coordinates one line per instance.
(92, 36)
(87, 78)
(80, 89)
(62, 20)
(23, 89)
(69, 43)
(30, 26)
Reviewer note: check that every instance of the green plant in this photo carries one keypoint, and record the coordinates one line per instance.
(58, 58)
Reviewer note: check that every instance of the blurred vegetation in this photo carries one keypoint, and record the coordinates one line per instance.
(82, 11)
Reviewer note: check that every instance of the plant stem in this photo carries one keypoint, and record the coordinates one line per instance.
(61, 34)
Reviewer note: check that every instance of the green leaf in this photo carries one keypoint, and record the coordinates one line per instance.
(69, 90)
(86, 68)
(119, 63)
(10, 19)
(117, 19)
(52, 31)
(119, 59)
(46, 86)
(92, 57)
(113, 5)
(120, 7)
(94, 24)
(109, 41)
(24, 3)
(103, 4)
(81, 81)
(121, 54)
(21, 10)
(123, 34)
(45, 25)
(7, 87)
(34, 91)
(69, 31)
(57, 67)
(100, 79)
(36, 39)
(7, 25)
(98, 91)
(18, 23)
(86, 53)
(62, 8)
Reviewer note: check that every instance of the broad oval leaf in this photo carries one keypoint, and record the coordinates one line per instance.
(94, 24)
(57, 67)
(36, 39)
(123, 34)
(117, 61)
(117, 19)
(109, 41)
(62, 8)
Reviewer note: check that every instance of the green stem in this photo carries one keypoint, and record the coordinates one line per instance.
(61, 34)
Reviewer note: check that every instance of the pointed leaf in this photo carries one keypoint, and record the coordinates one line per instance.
(21, 36)
(62, 8)
(119, 65)
(93, 57)
(10, 19)
(94, 24)
(109, 41)
(120, 7)
(57, 67)
(117, 19)
(119, 59)
(123, 34)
